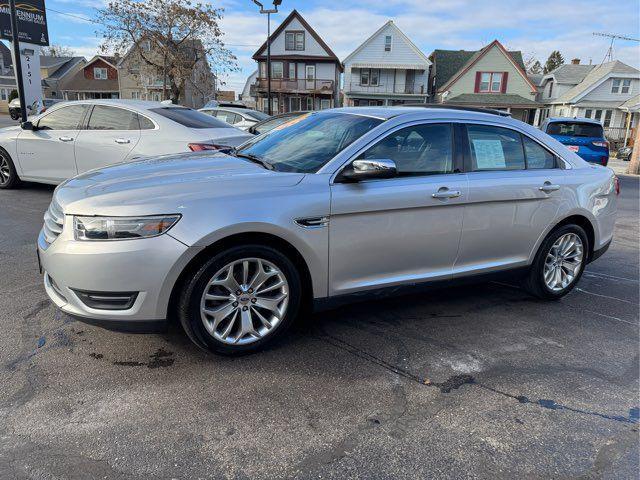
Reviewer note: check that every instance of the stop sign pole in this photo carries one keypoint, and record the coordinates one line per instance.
(17, 67)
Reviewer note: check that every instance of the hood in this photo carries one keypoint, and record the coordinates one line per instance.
(166, 184)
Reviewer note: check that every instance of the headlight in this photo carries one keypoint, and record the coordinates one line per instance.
(121, 228)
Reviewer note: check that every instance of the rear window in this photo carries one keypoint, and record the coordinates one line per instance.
(190, 118)
(575, 129)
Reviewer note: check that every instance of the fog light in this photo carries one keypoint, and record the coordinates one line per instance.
(107, 300)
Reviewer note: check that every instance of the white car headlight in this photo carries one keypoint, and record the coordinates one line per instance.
(122, 228)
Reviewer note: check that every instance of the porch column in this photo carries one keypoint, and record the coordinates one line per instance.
(536, 118)
(626, 132)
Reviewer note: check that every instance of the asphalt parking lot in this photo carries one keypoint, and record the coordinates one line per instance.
(480, 381)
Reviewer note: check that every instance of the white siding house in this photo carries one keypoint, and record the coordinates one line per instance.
(600, 95)
(305, 73)
(387, 69)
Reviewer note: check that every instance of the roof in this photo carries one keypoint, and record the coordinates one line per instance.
(79, 83)
(47, 61)
(449, 62)
(596, 76)
(536, 78)
(8, 81)
(390, 23)
(492, 100)
(68, 65)
(569, 73)
(633, 104)
(314, 34)
(112, 60)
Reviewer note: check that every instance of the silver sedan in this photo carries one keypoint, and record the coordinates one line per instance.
(338, 204)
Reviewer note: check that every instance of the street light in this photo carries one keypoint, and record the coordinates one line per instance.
(276, 4)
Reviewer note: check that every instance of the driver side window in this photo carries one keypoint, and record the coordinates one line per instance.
(65, 118)
(417, 150)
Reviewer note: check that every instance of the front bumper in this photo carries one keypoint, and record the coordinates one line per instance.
(149, 267)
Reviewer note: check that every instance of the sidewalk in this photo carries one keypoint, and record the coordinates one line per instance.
(618, 166)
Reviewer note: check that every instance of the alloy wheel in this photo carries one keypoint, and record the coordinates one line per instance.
(563, 262)
(5, 172)
(244, 301)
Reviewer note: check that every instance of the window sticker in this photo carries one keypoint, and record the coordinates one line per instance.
(489, 154)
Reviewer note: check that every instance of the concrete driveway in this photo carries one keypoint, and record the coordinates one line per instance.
(480, 381)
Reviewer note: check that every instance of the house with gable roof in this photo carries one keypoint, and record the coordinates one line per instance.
(386, 69)
(604, 93)
(491, 77)
(305, 73)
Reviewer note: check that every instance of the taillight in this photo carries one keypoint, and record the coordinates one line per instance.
(598, 143)
(616, 184)
(199, 147)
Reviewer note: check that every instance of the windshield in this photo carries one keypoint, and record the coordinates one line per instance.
(575, 129)
(310, 143)
(255, 114)
(190, 118)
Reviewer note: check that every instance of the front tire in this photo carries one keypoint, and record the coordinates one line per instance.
(559, 263)
(8, 174)
(241, 300)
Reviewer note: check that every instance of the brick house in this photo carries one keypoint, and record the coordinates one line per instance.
(98, 78)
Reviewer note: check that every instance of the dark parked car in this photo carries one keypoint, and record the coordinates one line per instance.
(272, 122)
(624, 153)
(583, 136)
(14, 107)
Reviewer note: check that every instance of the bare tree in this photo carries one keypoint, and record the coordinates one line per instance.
(57, 51)
(173, 38)
(634, 164)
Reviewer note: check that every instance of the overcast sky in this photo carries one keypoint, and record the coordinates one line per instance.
(534, 27)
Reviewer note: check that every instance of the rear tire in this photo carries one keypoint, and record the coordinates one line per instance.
(559, 263)
(238, 320)
(8, 174)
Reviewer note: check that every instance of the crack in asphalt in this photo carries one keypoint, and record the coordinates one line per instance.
(456, 381)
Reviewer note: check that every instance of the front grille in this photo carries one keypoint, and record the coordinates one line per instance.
(53, 222)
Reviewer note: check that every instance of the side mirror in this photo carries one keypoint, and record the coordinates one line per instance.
(28, 126)
(369, 169)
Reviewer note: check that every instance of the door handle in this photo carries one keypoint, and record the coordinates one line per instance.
(549, 187)
(446, 193)
(122, 140)
(65, 139)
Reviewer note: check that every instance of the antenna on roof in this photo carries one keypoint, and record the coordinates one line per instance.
(613, 37)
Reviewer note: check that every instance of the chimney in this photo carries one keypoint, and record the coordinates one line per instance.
(575, 61)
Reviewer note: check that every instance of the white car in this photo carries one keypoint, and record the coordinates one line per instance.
(242, 118)
(74, 137)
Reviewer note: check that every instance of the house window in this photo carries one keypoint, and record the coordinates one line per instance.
(490, 82)
(294, 104)
(292, 71)
(387, 43)
(369, 77)
(3, 92)
(325, 103)
(294, 41)
(309, 103)
(550, 88)
(607, 118)
(135, 95)
(100, 73)
(276, 69)
(588, 112)
(621, 85)
(146, 45)
(263, 70)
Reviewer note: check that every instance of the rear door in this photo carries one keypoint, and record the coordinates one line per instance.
(47, 153)
(111, 134)
(515, 190)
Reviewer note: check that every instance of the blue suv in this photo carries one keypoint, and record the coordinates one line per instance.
(583, 136)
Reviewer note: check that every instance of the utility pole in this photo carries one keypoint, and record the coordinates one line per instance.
(18, 62)
(268, 12)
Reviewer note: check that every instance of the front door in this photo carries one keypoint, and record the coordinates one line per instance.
(111, 135)
(310, 75)
(515, 191)
(48, 152)
(400, 230)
